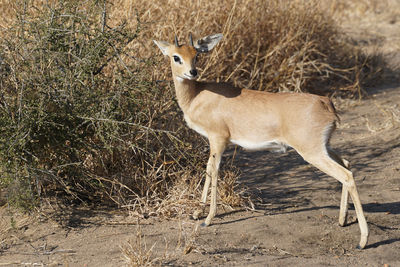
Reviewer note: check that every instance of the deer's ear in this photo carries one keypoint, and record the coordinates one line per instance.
(207, 43)
(163, 46)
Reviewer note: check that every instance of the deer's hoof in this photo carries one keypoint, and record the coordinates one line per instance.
(204, 224)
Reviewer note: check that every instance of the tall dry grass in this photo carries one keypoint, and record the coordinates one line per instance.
(267, 45)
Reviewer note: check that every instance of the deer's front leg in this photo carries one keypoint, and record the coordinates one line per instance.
(208, 180)
(198, 212)
(217, 147)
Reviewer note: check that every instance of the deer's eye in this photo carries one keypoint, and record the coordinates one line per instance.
(177, 59)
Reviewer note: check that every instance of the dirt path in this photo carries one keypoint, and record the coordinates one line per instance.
(296, 221)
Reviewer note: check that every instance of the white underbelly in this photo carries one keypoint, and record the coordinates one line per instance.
(273, 145)
(276, 146)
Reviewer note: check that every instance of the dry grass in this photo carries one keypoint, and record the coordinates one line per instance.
(389, 115)
(267, 45)
(137, 252)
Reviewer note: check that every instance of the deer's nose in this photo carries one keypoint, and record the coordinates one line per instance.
(193, 72)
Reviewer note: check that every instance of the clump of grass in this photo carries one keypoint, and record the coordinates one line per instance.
(138, 252)
(231, 193)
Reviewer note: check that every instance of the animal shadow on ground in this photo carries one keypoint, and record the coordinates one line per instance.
(285, 180)
(81, 217)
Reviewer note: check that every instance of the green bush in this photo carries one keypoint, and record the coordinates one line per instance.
(78, 121)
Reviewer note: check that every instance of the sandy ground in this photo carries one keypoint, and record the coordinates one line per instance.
(295, 222)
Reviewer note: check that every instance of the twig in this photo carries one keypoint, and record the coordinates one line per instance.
(104, 16)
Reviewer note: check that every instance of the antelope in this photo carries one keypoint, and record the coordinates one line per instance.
(257, 120)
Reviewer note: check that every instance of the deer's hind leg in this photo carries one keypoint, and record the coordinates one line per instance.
(207, 182)
(345, 192)
(323, 161)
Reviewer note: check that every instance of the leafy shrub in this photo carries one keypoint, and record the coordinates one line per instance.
(78, 120)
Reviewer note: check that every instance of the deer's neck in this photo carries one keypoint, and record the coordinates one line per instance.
(186, 91)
